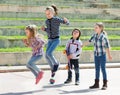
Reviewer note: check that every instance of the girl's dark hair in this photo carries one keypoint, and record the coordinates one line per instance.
(79, 33)
(55, 9)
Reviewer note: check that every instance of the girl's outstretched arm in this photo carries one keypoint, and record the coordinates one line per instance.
(85, 43)
(66, 21)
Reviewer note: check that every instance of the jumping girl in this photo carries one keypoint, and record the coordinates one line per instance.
(53, 32)
(36, 44)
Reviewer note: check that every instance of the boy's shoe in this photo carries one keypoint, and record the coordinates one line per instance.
(68, 81)
(39, 77)
(52, 74)
(77, 83)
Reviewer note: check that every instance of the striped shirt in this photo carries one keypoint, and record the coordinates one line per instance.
(74, 47)
(53, 27)
(36, 42)
(100, 44)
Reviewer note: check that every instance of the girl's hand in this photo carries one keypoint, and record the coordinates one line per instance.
(70, 56)
(64, 52)
(25, 42)
(43, 28)
(109, 57)
(35, 49)
(65, 20)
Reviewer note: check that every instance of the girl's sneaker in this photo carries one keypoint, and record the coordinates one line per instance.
(68, 81)
(39, 77)
(52, 80)
(77, 83)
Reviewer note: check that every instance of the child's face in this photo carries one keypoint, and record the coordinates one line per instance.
(49, 14)
(97, 29)
(28, 33)
(75, 34)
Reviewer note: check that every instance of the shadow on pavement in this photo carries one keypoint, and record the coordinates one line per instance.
(53, 86)
(78, 91)
(22, 93)
(56, 85)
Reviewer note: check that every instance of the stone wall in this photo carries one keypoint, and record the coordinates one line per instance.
(22, 58)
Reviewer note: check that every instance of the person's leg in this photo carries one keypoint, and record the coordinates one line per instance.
(31, 65)
(49, 53)
(69, 78)
(97, 72)
(47, 57)
(76, 69)
(97, 67)
(103, 68)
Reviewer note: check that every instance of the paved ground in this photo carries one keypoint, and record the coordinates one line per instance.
(22, 83)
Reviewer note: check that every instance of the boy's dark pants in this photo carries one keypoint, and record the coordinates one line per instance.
(75, 63)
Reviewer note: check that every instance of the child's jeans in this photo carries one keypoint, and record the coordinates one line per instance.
(31, 64)
(52, 44)
(100, 62)
(75, 63)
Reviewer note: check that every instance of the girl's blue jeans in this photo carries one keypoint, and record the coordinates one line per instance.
(100, 63)
(31, 65)
(52, 44)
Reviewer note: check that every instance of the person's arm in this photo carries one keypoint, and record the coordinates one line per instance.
(107, 46)
(88, 42)
(108, 53)
(43, 28)
(26, 43)
(67, 47)
(41, 43)
(64, 20)
(85, 43)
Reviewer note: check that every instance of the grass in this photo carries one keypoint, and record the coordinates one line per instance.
(86, 28)
(112, 37)
(12, 37)
(60, 48)
(71, 20)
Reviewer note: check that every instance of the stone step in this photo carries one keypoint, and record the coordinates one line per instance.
(10, 43)
(78, 15)
(82, 24)
(65, 32)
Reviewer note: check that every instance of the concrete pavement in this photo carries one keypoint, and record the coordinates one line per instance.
(5, 69)
(22, 83)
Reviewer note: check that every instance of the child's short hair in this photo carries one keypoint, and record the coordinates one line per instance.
(79, 33)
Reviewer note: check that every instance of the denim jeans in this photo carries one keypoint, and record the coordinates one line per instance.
(100, 62)
(31, 64)
(52, 44)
